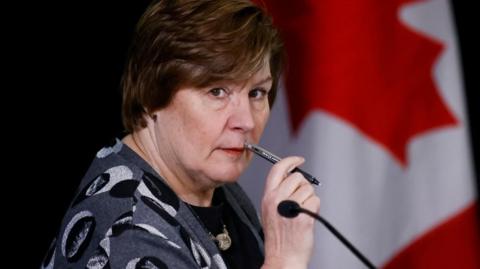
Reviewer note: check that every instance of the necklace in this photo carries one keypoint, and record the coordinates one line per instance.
(222, 240)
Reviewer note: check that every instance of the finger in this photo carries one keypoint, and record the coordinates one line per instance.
(303, 193)
(312, 203)
(280, 171)
(290, 185)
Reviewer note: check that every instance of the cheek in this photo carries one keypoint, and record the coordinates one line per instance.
(201, 126)
(260, 122)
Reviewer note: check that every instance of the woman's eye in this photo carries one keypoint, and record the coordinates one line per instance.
(218, 92)
(258, 93)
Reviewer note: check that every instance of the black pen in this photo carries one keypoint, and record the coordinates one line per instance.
(275, 159)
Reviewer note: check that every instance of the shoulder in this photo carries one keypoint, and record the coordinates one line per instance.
(104, 199)
(126, 216)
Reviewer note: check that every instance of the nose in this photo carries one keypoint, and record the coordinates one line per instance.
(241, 117)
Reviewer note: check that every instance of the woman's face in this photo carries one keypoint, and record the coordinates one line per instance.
(201, 133)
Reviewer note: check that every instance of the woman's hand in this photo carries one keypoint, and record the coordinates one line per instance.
(288, 242)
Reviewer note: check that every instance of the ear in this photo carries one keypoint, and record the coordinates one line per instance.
(149, 114)
(153, 117)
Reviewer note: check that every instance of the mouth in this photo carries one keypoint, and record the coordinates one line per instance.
(233, 151)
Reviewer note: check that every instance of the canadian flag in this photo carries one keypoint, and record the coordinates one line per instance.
(373, 99)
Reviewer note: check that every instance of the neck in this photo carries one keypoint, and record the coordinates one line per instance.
(143, 142)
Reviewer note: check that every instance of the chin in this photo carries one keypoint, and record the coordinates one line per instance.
(227, 175)
(226, 170)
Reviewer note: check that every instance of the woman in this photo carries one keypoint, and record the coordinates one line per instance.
(200, 81)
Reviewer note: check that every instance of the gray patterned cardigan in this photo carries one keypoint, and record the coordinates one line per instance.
(125, 216)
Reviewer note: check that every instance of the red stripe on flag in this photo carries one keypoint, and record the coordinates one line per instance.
(453, 244)
(358, 61)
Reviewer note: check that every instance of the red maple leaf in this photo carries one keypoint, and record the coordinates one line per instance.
(356, 60)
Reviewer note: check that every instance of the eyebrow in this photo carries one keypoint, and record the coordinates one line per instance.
(267, 79)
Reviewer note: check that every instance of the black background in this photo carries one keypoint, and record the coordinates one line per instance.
(63, 104)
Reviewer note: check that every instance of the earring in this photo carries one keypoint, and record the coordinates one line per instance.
(154, 117)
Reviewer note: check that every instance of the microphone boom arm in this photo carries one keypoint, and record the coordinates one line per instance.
(291, 209)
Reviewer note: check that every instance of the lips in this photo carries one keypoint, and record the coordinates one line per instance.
(233, 151)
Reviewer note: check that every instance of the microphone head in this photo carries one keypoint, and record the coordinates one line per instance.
(288, 209)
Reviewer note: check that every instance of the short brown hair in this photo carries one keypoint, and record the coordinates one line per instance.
(194, 43)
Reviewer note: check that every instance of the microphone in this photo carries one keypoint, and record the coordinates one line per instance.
(291, 209)
(288, 209)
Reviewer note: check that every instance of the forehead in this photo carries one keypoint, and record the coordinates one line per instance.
(262, 75)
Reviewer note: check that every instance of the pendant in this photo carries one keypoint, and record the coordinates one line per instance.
(223, 239)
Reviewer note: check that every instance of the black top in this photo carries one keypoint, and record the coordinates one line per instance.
(244, 252)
